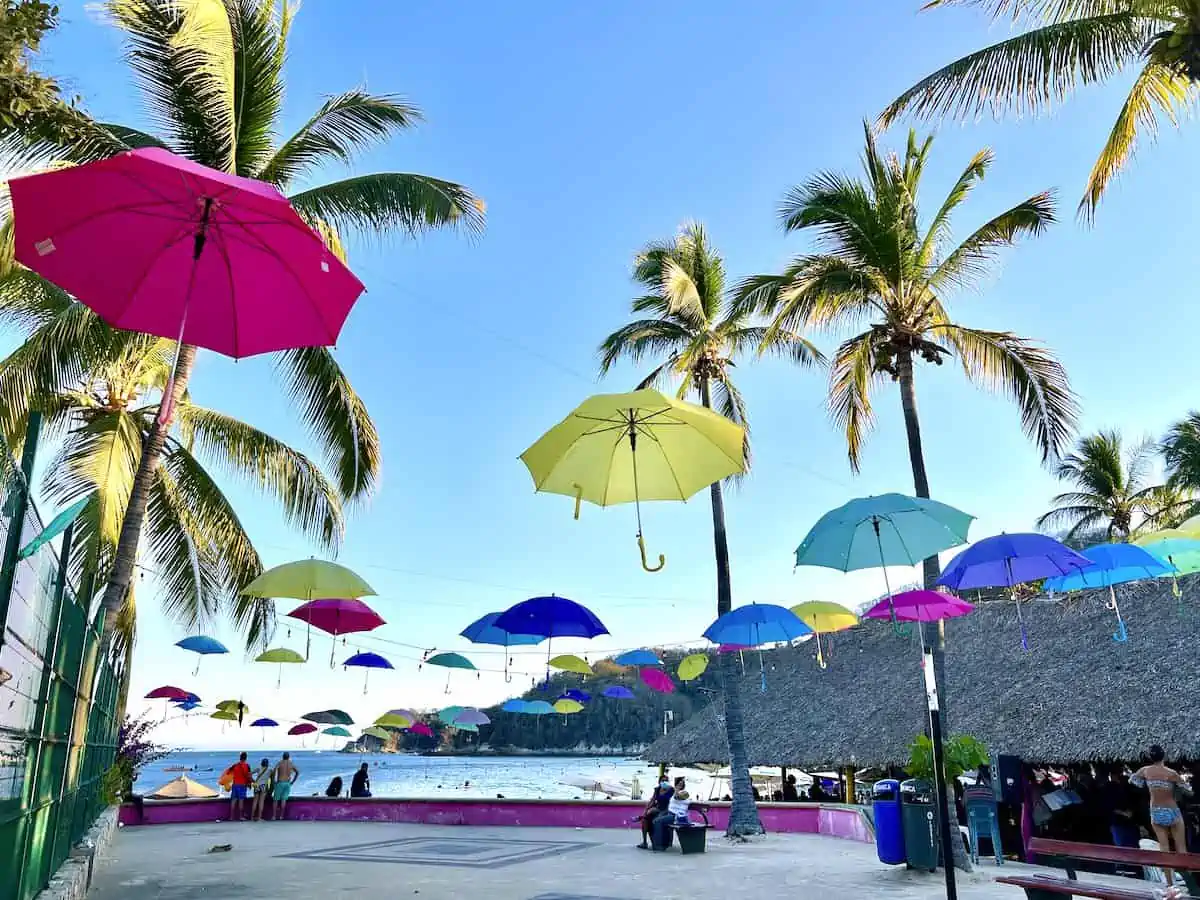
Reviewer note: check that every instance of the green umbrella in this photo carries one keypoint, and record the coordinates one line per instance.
(377, 732)
(451, 661)
(336, 731)
(279, 655)
(329, 717)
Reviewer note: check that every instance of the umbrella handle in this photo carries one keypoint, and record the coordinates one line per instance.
(578, 498)
(662, 560)
(1121, 635)
(820, 656)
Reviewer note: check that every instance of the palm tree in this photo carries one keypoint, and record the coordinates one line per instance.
(1068, 44)
(1111, 497)
(689, 327)
(211, 72)
(1180, 451)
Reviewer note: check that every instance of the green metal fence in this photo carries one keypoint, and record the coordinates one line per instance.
(58, 701)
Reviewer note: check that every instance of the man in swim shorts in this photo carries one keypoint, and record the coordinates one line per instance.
(239, 789)
(285, 775)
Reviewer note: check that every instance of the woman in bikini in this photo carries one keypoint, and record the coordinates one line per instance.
(1163, 784)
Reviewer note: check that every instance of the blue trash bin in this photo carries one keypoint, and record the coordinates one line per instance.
(889, 827)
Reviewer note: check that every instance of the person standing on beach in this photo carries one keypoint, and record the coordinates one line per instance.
(262, 786)
(285, 775)
(240, 777)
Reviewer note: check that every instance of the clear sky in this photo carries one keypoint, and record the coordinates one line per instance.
(591, 129)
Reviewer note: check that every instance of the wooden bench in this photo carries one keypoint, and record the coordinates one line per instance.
(1061, 853)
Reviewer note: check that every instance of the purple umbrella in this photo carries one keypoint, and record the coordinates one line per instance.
(1005, 560)
(617, 692)
(919, 606)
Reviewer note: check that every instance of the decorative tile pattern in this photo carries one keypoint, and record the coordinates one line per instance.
(463, 853)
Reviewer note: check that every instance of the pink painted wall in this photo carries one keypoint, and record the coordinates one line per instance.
(835, 821)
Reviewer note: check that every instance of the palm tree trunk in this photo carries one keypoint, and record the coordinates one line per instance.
(124, 560)
(743, 814)
(933, 634)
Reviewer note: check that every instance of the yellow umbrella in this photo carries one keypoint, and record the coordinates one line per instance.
(568, 707)
(1190, 527)
(693, 666)
(225, 715)
(309, 579)
(824, 617)
(570, 663)
(183, 788)
(394, 721)
(626, 448)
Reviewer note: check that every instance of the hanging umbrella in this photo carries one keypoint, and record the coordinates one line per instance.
(1178, 549)
(470, 716)
(754, 625)
(167, 692)
(237, 707)
(328, 717)
(188, 697)
(551, 617)
(618, 692)
(393, 720)
(56, 527)
(571, 663)
(367, 662)
(577, 696)
(1111, 564)
(638, 658)
(484, 631)
(187, 705)
(376, 732)
(824, 617)
(202, 646)
(302, 729)
(308, 579)
(264, 724)
(225, 715)
(568, 707)
(336, 731)
(919, 606)
(1006, 560)
(657, 680)
(626, 448)
(422, 729)
(336, 616)
(282, 656)
(446, 715)
(733, 648)
(451, 661)
(692, 666)
(538, 708)
(882, 531)
(513, 706)
(468, 727)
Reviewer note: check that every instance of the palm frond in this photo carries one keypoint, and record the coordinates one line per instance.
(335, 416)
(280, 472)
(1029, 72)
(258, 56)
(847, 219)
(641, 338)
(1158, 91)
(778, 342)
(940, 226)
(851, 377)
(660, 376)
(391, 203)
(1032, 375)
(728, 401)
(344, 126)
(1071, 517)
(682, 294)
(972, 259)
(1180, 450)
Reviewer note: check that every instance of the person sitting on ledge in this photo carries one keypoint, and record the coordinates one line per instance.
(790, 794)
(360, 785)
(335, 787)
(660, 802)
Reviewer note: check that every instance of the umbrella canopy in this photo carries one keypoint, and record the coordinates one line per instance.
(336, 731)
(733, 648)
(279, 655)
(1182, 553)
(467, 727)
(422, 729)
(638, 658)
(202, 644)
(570, 663)
(188, 698)
(157, 243)
(692, 667)
(451, 661)
(183, 788)
(756, 624)
(368, 661)
(551, 617)
(264, 723)
(513, 706)
(578, 696)
(568, 707)
(824, 617)
(538, 708)
(618, 692)
(394, 721)
(234, 706)
(471, 716)
(1110, 564)
(1005, 560)
(302, 728)
(919, 606)
(224, 715)
(887, 530)
(376, 732)
(338, 616)
(657, 680)
(403, 714)
(168, 692)
(484, 631)
(448, 714)
(187, 705)
(56, 527)
(329, 717)
(306, 579)
(625, 448)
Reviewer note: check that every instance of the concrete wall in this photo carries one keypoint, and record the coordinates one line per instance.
(74, 876)
(846, 822)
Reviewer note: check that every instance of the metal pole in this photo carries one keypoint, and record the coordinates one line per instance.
(18, 503)
(939, 775)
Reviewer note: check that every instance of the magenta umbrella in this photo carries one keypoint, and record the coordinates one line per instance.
(919, 606)
(657, 680)
(302, 729)
(345, 616)
(422, 729)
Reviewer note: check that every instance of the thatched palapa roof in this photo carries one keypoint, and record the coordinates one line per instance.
(1076, 695)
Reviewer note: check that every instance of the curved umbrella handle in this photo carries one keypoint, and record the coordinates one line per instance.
(820, 656)
(1120, 635)
(578, 498)
(662, 560)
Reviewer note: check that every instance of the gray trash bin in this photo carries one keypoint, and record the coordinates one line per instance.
(918, 811)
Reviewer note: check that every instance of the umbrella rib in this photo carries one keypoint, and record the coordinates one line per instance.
(97, 214)
(233, 307)
(608, 480)
(667, 460)
(154, 259)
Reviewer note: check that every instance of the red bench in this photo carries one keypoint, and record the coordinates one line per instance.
(1061, 853)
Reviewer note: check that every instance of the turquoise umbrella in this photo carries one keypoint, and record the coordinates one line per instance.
(56, 527)
(1111, 564)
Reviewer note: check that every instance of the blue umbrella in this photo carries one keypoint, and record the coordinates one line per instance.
(1006, 560)
(189, 697)
(755, 625)
(203, 646)
(550, 617)
(538, 708)
(484, 631)
(187, 705)
(514, 706)
(882, 531)
(576, 695)
(638, 658)
(617, 692)
(1111, 564)
(368, 661)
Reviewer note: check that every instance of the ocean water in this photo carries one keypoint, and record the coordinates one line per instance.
(399, 775)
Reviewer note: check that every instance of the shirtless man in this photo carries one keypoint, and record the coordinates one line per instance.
(284, 776)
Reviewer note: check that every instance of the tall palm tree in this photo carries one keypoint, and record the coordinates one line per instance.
(211, 72)
(1068, 44)
(1180, 451)
(688, 326)
(1112, 495)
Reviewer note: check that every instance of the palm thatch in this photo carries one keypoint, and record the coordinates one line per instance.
(1076, 695)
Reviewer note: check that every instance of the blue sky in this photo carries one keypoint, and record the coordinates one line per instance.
(591, 130)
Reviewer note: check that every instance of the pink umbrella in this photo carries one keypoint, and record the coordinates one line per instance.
(422, 729)
(336, 617)
(157, 243)
(733, 648)
(168, 692)
(919, 606)
(302, 729)
(657, 680)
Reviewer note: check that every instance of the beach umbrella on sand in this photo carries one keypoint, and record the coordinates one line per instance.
(626, 448)
(282, 656)
(451, 661)
(202, 646)
(657, 680)
(329, 717)
(571, 663)
(223, 716)
(692, 666)
(183, 788)
(367, 662)
(302, 729)
(824, 617)
(1006, 560)
(618, 692)
(484, 631)
(336, 616)
(1111, 564)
